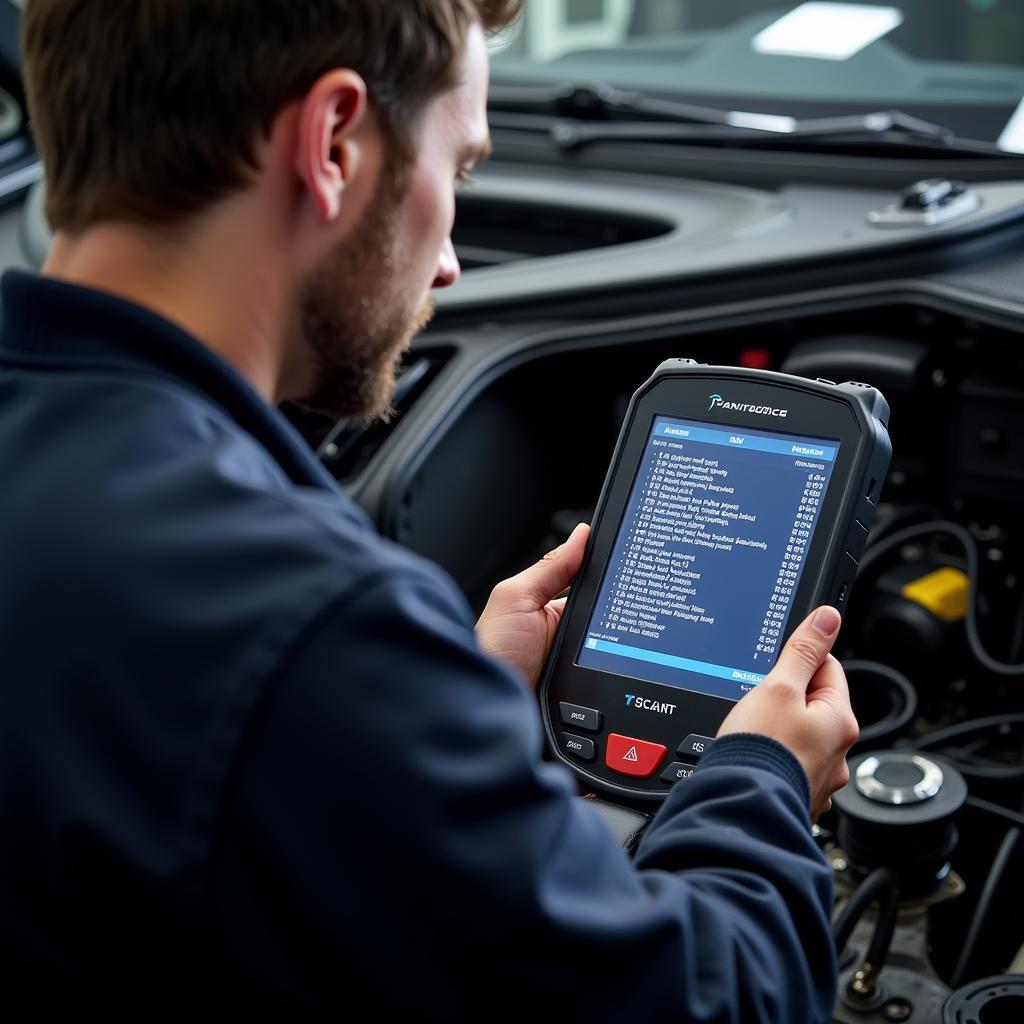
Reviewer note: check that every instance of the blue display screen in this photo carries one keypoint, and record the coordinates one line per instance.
(708, 556)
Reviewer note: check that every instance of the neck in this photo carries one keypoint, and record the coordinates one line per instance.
(218, 279)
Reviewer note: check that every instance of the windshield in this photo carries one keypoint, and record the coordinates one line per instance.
(960, 62)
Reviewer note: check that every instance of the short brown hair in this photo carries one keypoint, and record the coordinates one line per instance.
(151, 110)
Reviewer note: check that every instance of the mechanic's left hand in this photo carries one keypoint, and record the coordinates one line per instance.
(518, 625)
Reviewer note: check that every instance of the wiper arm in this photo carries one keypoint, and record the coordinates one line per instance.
(585, 113)
(879, 123)
(597, 101)
(572, 135)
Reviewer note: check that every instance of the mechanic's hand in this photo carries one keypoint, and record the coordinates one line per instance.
(518, 625)
(804, 703)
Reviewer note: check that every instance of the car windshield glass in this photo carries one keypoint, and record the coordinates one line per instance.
(957, 62)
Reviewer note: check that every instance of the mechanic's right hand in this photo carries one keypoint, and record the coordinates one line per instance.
(804, 703)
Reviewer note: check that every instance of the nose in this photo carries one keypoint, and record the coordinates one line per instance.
(448, 269)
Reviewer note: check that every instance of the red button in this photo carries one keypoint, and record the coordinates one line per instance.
(628, 756)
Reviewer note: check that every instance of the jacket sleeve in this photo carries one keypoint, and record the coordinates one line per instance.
(394, 836)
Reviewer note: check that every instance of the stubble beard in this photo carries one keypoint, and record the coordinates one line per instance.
(352, 317)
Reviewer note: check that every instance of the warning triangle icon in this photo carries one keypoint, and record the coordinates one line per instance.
(630, 755)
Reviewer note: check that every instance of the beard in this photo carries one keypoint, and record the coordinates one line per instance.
(354, 318)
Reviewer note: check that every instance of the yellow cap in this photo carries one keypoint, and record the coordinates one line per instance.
(944, 593)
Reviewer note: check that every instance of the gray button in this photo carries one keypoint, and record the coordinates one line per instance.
(695, 746)
(580, 718)
(578, 746)
(676, 771)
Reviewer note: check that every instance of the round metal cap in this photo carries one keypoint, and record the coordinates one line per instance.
(895, 778)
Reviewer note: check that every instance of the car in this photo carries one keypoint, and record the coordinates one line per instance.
(834, 191)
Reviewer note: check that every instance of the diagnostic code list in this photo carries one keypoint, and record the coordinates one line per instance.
(709, 556)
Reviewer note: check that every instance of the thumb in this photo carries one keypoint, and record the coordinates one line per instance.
(809, 646)
(546, 579)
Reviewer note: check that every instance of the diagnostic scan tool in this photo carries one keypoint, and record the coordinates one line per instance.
(736, 502)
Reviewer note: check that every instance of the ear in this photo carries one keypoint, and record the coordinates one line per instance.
(328, 153)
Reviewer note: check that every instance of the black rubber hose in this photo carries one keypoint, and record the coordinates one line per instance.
(901, 519)
(877, 886)
(897, 721)
(881, 939)
(991, 772)
(972, 771)
(999, 811)
(955, 732)
(1001, 861)
(1017, 637)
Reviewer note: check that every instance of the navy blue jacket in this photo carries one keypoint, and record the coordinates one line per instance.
(253, 761)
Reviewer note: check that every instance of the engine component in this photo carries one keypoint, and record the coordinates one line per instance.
(897, 812)
(902, 369)
(896, 836)
(907, 987)
(996, 1000)
(892, 364)
(987, 427)
(944, 527)
(884, 702)
(943, 592)
(915, 620)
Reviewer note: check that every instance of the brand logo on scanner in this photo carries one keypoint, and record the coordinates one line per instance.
(718, 402)
(646, 704)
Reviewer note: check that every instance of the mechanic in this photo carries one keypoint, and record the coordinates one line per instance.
(255, 759)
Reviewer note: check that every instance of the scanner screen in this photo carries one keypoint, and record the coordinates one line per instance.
(708, 556)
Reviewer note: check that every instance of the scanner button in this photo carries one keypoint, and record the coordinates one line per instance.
(578, 747)
(629, 756)
(581, 718)
(857, 540)
(695, 746)
(676, 771)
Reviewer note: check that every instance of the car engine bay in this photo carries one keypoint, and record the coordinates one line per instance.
(927, 864)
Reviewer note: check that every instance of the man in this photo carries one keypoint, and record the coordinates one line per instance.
(253, 758)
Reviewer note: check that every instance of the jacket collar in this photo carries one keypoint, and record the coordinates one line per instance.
(55, 323)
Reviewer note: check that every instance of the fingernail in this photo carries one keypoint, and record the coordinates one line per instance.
(575, 533)
(826, 621)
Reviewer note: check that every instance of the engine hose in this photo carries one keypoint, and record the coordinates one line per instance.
(877, 886)
(1001, 861)
(898, 720)
(881, 939)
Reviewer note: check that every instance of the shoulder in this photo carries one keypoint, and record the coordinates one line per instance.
(165, 471)
(190, 530)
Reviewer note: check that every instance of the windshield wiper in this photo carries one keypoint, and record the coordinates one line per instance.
(597, 101)
(579, 114)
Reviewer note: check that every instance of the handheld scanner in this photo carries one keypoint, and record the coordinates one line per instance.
(737, 501)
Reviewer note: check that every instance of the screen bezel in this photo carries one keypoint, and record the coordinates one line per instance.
(812, 412)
